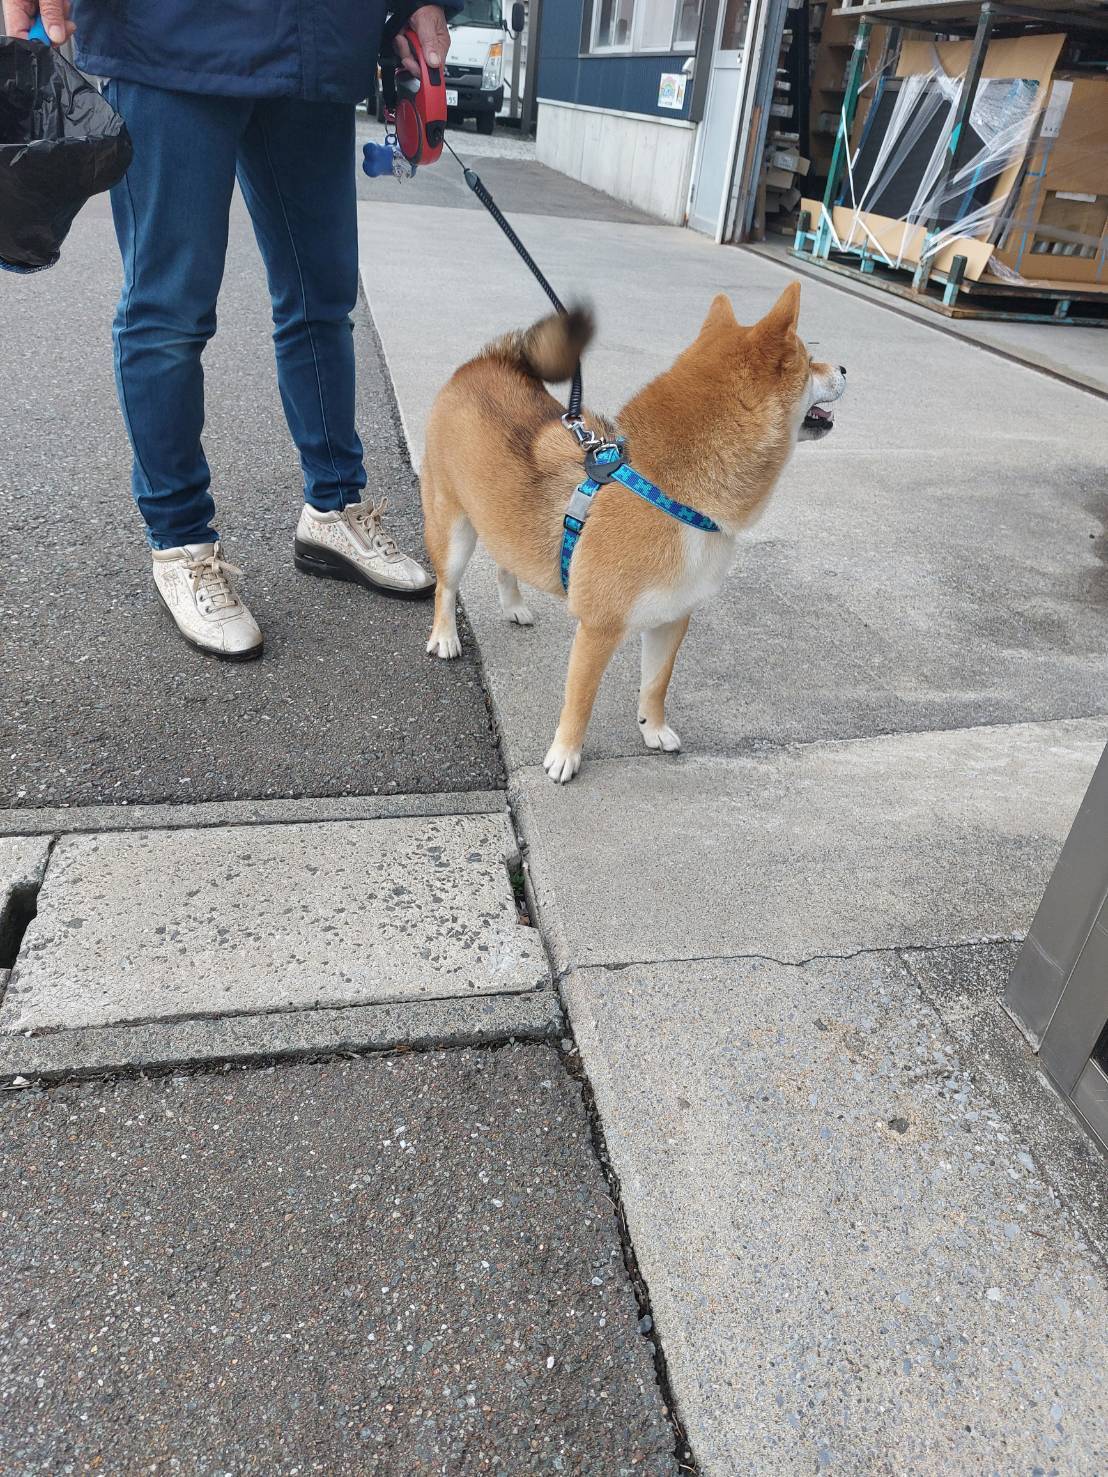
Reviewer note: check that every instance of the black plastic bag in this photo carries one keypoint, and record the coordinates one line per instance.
(60, 142)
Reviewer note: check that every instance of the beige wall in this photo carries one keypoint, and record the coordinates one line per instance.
(642, 161)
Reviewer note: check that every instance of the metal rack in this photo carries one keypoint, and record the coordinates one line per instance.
(981, 20)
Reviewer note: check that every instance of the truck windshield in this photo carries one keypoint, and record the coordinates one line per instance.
(480, 13)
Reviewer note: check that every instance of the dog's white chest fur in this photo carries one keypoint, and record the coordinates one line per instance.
(708, 558)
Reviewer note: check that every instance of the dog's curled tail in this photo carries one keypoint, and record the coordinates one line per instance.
(550, 349)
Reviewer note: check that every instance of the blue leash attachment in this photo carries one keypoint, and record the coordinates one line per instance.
(605, 462)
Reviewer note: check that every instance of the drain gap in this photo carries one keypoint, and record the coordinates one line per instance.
(517, 880)
(19, 912)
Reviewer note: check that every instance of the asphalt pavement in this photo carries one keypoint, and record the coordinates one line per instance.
(507, 167)
(395, 1264)
(104, 703)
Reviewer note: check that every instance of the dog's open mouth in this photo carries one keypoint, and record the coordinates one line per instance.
(819, 418)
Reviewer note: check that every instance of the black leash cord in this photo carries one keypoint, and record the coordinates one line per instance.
(474, 182)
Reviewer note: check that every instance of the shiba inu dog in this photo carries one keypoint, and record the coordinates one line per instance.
(712, 433)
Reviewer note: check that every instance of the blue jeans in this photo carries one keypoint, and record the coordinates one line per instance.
(295, 167)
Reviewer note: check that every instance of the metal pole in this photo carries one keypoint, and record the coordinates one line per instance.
(957, 149)
(753, 20)
(757, 121)
(529, 111)
(850, 107)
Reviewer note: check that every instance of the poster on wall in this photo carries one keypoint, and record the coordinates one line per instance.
(671, 90)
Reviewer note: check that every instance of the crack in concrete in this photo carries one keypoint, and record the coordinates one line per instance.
(869, 949)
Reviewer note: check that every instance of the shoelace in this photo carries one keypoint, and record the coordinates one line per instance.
(368, 517)
(210, 577)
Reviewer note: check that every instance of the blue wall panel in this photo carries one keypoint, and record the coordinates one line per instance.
(627, 84)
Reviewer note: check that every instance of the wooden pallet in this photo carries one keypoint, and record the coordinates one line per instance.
(958, 297)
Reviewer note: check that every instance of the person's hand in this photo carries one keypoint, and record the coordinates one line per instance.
(429, 24)
(19, 17)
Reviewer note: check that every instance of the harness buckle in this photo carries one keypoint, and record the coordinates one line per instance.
(577, 510)
(576, 427)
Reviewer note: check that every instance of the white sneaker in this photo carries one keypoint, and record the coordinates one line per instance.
(353, 545)
(194, 581)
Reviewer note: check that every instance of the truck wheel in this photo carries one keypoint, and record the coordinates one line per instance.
(485, 122)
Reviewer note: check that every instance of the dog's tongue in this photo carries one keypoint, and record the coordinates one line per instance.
(819, 413)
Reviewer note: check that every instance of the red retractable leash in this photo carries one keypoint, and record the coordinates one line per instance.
(420, 111)
(415, 122)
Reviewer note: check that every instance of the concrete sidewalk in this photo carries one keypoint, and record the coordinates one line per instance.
(864, 1223)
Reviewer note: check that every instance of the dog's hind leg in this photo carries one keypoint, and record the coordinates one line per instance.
(592, 651)
(511, 599)
(659, 652)
(450, 552)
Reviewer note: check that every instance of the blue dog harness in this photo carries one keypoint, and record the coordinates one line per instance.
(605, 462)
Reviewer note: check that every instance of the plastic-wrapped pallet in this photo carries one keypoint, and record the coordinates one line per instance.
(901, 199)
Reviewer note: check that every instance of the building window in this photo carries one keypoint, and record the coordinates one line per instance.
(663, 26)
(733, 33)
(612, 26)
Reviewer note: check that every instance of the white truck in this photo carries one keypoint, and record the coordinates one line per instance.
(475, 68)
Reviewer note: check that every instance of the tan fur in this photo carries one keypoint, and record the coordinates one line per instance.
(714, 431)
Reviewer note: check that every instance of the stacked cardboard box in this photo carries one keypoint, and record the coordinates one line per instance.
(784, 172)
(1058, 228)
(783, 165)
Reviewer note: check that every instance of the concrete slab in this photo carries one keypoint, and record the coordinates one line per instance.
(909, 387)
(100, 1051)
(115, 707)
(965, 987)
(44, 820)
(919, 839)
(22, 864)
(145, 926)
(392, 1265)
(854, 1264)
(937, 562)
(1067, 350)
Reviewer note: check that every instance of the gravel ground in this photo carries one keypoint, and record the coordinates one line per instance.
(103, 701)
(400, 1264)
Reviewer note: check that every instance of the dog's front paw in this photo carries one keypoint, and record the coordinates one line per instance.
(562, 763)
(665, 738)
(519, 615)
(447, 646)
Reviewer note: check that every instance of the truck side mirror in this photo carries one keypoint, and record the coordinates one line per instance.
(519, 19)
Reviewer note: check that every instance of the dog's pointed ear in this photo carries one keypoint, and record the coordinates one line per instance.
(720, 315)
(783, 317)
